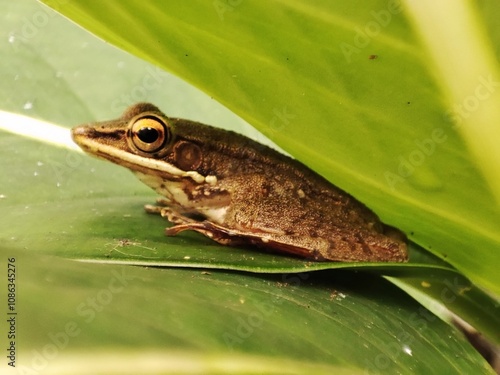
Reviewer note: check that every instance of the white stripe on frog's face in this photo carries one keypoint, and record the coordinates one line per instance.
(129, 159)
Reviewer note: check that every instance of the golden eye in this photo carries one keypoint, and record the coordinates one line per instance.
(149, 134)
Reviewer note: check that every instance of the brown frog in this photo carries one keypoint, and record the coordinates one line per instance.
(237, 191)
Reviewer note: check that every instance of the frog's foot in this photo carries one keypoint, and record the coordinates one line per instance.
(150, 209)
(161, 203)
(175, 216)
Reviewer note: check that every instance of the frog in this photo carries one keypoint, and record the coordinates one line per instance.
(239, 192)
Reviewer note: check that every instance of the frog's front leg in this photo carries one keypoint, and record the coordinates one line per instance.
(161, 204)
(165, 211)
(183, 222)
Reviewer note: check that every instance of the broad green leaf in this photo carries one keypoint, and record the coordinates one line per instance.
(475, 95)
(58, 202)
(104, 225)
(346, 89)
(120, 320)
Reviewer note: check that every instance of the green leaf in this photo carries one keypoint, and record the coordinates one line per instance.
(107, 225)
(306, 75)
(475, 95)
(54, 201)
(116, 320)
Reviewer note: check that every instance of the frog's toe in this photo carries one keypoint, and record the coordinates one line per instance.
(163, 201)
(151, 209)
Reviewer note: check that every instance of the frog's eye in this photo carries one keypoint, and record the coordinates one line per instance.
(149, 134)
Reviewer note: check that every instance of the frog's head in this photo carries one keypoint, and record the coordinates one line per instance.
(144, 141)
(160, 152)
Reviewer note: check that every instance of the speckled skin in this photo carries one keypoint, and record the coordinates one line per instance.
(258, 196)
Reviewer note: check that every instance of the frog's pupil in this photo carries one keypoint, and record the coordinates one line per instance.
(148, 135)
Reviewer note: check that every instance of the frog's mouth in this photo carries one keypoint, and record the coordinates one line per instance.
(88, 138)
